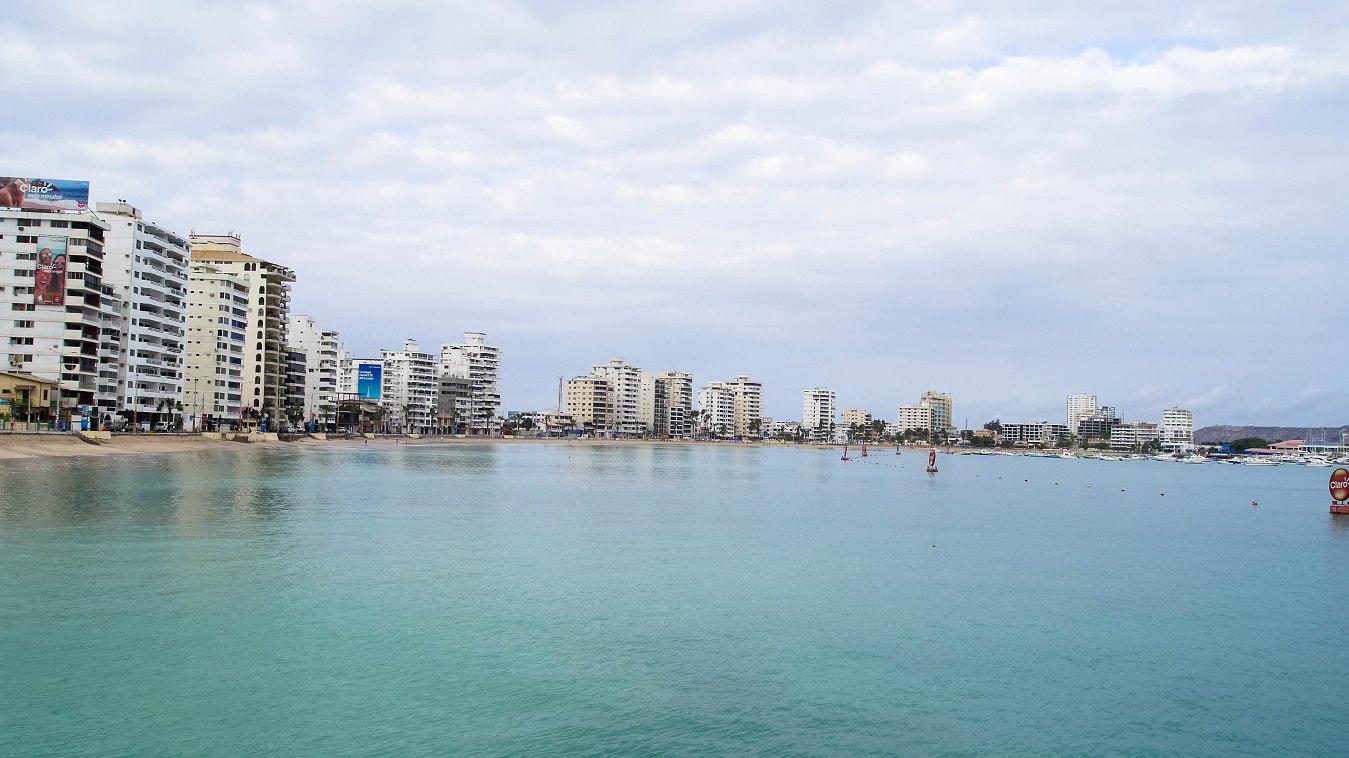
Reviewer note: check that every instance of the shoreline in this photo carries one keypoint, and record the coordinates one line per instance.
(32, 446)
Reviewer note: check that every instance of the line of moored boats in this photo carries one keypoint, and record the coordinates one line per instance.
(1314, 461)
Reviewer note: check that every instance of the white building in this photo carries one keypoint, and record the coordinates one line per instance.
(716, 408)
(147, 266)
(1079, 404)
(732, 407)
(216, 337)
(1132, 436)
(52, 293)
(1176, 431)
(625, 386)
(665, 403)
(266, 356)
(320, 348)
(409, 389)
(480, 364)
(917, 417)
(818, 412)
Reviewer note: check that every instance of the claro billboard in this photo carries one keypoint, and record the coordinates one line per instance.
(36, 194)
(51, 271)
(369, 376)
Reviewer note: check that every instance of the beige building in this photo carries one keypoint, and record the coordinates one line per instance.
(265, 347)
(587, 401)
(217, 322)
(855, 416)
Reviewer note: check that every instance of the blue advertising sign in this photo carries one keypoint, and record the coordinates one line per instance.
(43, 194)
(369, 377)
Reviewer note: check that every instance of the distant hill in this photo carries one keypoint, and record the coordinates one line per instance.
(1225, 433)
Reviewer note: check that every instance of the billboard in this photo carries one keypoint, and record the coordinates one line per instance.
(51, 271)
(43, 194)
(369, 376)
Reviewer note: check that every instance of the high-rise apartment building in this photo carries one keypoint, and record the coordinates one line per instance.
(818, 412)
(732, 407)
(480, 364)
(625, 386)
(266, 355)
(320, 348)
(716, 403)
(1176, 431)
(147, 266)
(665, 403)
(943, 412)
(917, 417)
(52, 300)
(410, 385)
(217, 323)
(587, 401)
(1079, 404)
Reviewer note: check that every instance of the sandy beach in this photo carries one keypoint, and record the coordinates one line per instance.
(27, 446)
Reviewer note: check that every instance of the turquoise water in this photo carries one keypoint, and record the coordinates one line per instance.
(561, 598)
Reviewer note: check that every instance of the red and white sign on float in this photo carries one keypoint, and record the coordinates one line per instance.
(1339, 490)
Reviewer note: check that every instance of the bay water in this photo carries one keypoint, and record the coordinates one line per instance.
(564, 598)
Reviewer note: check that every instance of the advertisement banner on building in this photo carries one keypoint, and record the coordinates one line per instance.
(51, 271)
(43, 194)
(369, 377)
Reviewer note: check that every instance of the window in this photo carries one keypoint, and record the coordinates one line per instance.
(26, 257)
(25, 273)
(18, 324)
(22, 238)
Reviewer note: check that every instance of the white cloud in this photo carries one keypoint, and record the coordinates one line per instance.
(923, 179)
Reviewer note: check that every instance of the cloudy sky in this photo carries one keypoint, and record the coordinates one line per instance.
(1005, 201)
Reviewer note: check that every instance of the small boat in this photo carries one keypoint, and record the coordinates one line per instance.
(1316, 461)
(845, 453)
(864, 449)
(932, 461)
(1192, 458)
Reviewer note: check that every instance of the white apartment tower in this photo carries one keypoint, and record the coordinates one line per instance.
(217, 323)
(320, 347)
(147, 266)
(818, 412)
(265, 351)
(665, 403)
(917, 417)
(1079, 404)
(625, 385)
(480, 364)
(732, 407)
(409, 387)
(52, 298)
(716, 402)
(1176, 431)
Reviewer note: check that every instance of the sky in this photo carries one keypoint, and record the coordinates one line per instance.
(1007, 202)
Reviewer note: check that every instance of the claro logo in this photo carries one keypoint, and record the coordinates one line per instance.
(1339, 485)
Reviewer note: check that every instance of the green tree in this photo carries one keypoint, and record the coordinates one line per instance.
(1246, 443)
